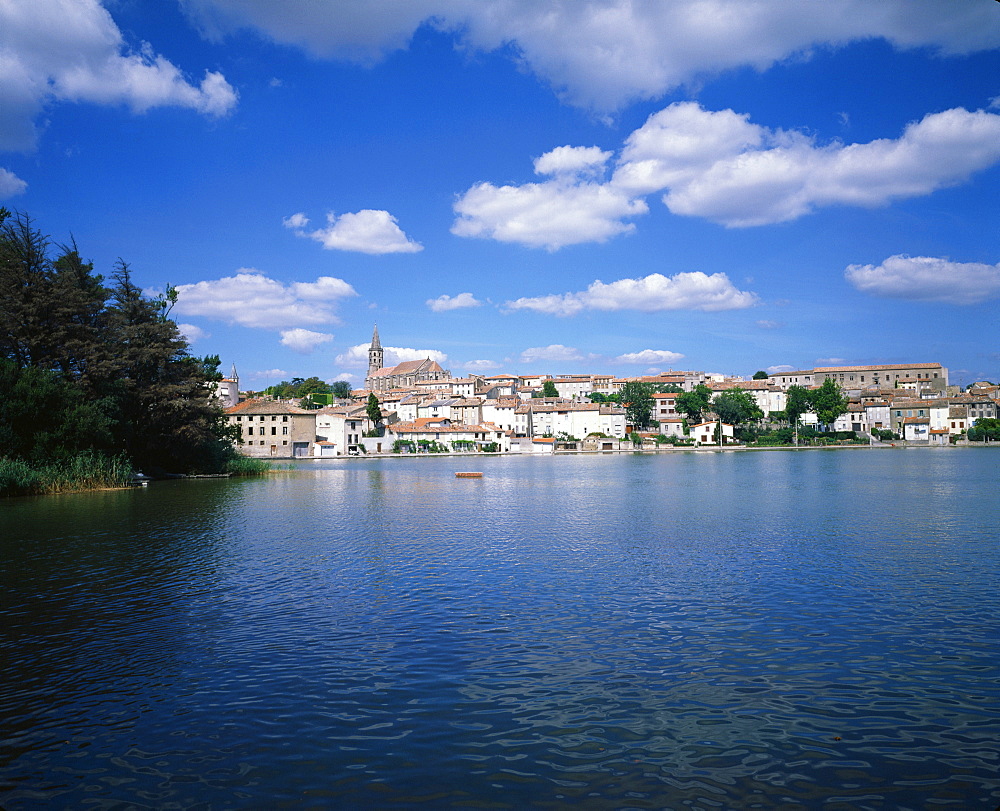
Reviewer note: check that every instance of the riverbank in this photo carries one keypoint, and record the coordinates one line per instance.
(92, 471)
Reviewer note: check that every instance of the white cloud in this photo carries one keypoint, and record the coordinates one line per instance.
(571, 160)
(251, 299)
(553, 214)
(366, 231)
(10, 184)
(303, 341)
(71, 50)
(831, 361)
(192, 333)
(552, 352)
(604, 53)
(653, 293)
(927, 278)
(650, 356)
(444, 303)
(356, 357)
(719, 166)
(755, 176)
(481, 366)
(765, 324)
(269, 374)
(777, 370)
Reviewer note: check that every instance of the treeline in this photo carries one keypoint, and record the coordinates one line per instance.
(94, 374)
(305, 388)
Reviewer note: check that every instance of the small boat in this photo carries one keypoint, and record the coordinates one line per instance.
(468, 475)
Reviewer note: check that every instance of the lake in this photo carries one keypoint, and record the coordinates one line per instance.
(688, 630)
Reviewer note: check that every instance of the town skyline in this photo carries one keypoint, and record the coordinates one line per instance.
(623, 189)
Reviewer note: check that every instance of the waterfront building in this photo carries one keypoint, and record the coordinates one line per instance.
(271, 429)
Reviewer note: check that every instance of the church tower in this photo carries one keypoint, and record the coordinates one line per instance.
(375, 356)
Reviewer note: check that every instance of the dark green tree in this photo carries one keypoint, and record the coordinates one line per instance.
(694, 403)
(985, 429)
(637, 399)
(341, 389)
(549, 389)
(737, 407)
(798, 400)
(165, 419)
(45, 418)
(760, 375)
(829, 402)
(372, 410)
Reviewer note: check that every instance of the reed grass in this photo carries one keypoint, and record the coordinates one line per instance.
(85, 471)
(247, 466)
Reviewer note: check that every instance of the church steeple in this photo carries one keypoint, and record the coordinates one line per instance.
(375, 354)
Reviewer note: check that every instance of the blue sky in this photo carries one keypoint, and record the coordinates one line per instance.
(523, 187)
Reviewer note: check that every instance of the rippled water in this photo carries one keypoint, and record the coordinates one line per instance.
(697, 631)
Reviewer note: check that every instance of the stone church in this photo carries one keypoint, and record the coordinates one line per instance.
(401, 376)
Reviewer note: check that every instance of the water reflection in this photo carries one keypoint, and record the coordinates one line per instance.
(688, 630)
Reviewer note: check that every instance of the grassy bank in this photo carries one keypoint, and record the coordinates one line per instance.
(86, 471)
(246, 466)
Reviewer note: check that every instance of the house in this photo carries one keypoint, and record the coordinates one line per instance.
(445, 432)
(916, 429)
(339, 428)
(705, 433)
(271, 429)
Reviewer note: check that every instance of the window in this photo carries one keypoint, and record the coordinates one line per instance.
(284, 429)
(274, 430)
(250, 430)
(284, 418)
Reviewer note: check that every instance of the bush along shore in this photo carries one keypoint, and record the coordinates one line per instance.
(98, 383)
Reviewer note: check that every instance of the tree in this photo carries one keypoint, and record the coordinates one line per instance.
(637, 399)
(737, 407)
(372, 409)
(829, 402)
(985, 428)
(694, 403)
(341, 389)
(760, 375)
(549, 389)
(798, 400)
(165, 417)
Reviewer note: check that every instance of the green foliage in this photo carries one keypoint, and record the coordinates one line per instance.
(798, 400)
(669, 388)
(298, 387)
(85, 367)
(736, 407)
(247, 466)
(341, 389)
(985, 429)
(87, 470)
(404, 444)
(491, 447)
(637, 398)
(760, 375)
(597, 397)
(829, 402)
(885, 435)
(463, 445)
(549, 389)
(562, 436)
(694, 403)
(372, 410)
